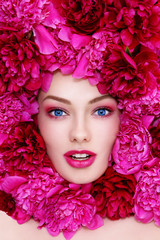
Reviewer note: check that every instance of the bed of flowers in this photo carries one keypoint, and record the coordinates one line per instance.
(115, 44)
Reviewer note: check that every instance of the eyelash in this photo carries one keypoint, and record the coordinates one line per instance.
(105, 112)
(104, 109)
(57, 109)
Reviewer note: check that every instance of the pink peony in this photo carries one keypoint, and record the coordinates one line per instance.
(19, 58)
(70, 211)
(138, 21)
(27, 151)
(30, 196)
(84, 16)
(95, 53)
(23, 14)
(16, 108)
(56, 53)
(149, 103)
(155, 133)
(57, 205)
(147, 196)
(132, 146)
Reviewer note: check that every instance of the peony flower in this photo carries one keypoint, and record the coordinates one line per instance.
(49, 199)
(19, 58)
(113, 194)
(27, 151)
(30, 196)
(84, 16)
(155, 133)
(124, 76)
(16, 108)
(71, 210)
(147, 196)
(56, 53)
(92, 60)
(138, 21)
(149, 103)
(132, 146)
(23, 14)
(7, 203)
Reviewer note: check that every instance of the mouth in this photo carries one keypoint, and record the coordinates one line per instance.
(80, 159)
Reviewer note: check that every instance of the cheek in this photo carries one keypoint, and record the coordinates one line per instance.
(106, 130)
(52, 132)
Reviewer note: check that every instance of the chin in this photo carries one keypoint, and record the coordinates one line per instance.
(82, 179)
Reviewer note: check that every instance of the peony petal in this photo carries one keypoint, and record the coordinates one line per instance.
(65, 34)
(96, 222)
(3, 137)
(143, 216)
(147, 120)
(126, 37)
(45, 41)
(81, 68)
(79, 41)
(129, 60)
(54, 190)
(12, 182)
(68, 234)
(46, 80)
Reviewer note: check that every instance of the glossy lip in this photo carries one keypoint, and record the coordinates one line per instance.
(79, 163)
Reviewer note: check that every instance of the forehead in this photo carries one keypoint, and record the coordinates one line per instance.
(66, 86)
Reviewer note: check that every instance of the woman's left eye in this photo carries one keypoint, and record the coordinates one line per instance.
(102, 112)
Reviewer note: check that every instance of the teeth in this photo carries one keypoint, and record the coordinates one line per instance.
(80, 156)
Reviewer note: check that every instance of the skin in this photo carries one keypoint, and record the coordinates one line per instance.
(85, 120)
(123, 229)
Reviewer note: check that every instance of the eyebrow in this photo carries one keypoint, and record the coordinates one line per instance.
(59, 99)
(63, 100)
(97, 99)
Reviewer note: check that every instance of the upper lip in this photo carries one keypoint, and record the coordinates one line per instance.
(73, 152)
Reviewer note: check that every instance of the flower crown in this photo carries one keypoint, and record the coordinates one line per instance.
(116, 46)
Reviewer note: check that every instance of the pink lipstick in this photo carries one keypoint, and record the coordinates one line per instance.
(80, 159)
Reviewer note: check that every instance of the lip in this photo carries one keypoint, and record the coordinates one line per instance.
(80, 163)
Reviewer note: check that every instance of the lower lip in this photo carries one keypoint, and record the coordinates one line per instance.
(80, 163)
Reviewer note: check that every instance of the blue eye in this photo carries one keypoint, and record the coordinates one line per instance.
(57, 113)
(102, 112)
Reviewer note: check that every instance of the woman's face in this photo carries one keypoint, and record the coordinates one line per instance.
(79, 127)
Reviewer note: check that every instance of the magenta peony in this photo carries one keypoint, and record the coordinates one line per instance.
(23, 150)
(19, 58)
(16, 108)
(149, 103)
(155, 133)
(132, 146)
(84, 16)
(113, 194)
(7, 203)
(124, 76)
(23, 14)
(147, 196)
(69, 212)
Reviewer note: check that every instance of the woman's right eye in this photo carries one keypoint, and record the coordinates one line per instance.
(57, 113)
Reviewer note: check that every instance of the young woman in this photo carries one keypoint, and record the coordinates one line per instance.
(79, 131)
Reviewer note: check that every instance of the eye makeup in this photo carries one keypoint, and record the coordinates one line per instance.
(56, 112)
(103, 111)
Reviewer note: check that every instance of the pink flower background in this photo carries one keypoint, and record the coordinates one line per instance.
(116, 46)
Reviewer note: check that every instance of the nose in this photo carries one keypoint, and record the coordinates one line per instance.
(80, 131)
